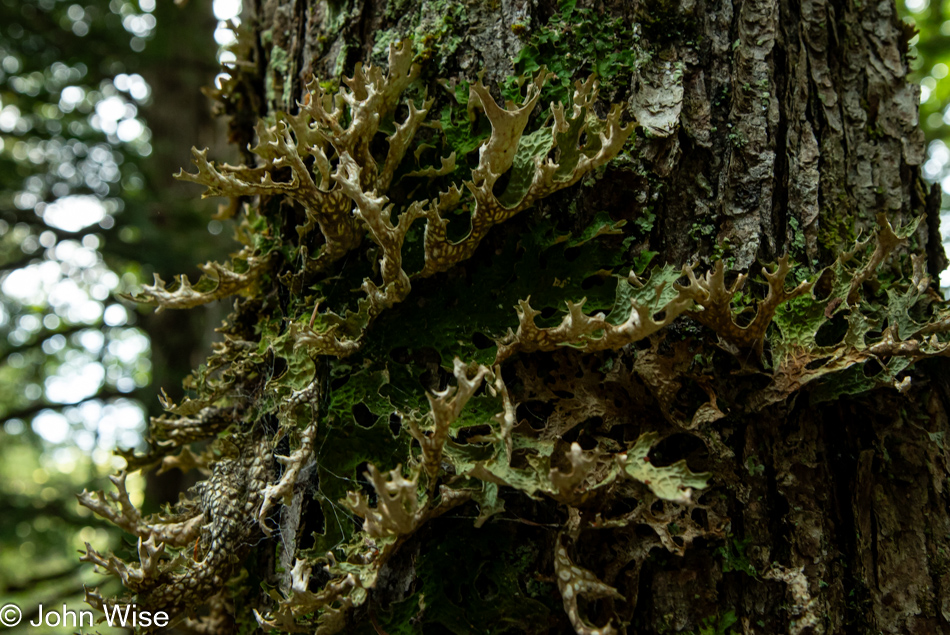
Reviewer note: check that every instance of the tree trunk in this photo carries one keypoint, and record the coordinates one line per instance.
(811, 417)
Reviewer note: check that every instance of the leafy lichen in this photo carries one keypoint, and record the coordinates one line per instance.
(360, 376)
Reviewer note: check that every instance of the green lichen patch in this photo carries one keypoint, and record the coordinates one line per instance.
(672, 483)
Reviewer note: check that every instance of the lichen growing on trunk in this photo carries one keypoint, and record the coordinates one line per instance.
(399, 393)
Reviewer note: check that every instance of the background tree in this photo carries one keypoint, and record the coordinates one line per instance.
(86, 197)
(928, 62)
(391, 447)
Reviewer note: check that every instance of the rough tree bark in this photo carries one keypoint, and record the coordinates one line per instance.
(763, 129)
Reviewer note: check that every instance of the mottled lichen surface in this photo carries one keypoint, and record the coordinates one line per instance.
(424, 366)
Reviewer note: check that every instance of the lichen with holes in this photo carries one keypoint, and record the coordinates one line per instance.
(380, 374)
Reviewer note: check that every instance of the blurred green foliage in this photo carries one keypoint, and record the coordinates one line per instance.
(930, 53)
(928, 30)
(87, 209)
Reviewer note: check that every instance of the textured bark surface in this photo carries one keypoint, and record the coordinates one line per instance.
(765, 128)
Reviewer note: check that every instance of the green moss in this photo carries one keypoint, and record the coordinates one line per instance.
(719, 625)
(384, 39)
(435, 29)
(797, 246)
(835, 229)
(396, 9)
(277, 71)
(576, 42)
(340, 65)
(338, 12)
(734, 558)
